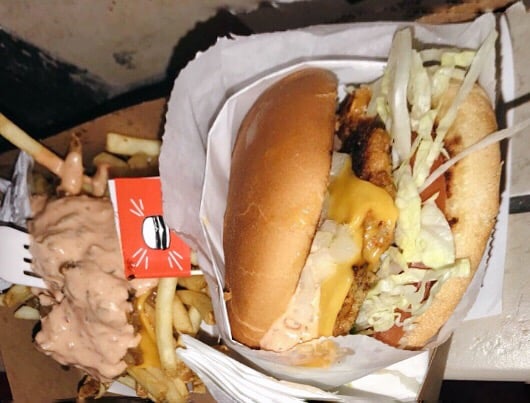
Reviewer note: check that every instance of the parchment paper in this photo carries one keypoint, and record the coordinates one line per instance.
(195, 160)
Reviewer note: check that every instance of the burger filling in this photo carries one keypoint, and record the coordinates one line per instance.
(356, 228)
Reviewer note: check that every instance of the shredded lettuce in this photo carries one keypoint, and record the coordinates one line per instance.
(372, 109)
(486, 141)
(405, 292)
(435, 246)
(395, 88)
(471, 77)
(407, 99)
(419, 91)
(422, 231)
(444, 56)
(408, 203)
(424, 156)
(392, 262)
(458, 59)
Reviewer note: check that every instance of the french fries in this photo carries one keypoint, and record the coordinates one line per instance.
(195, 283)
(154, 385)
(109, 159)
(125, 156)
(19, 138)
(164, 315)
(22, 140)
(195, 318)
(17, 294)
(164, 324)
(27, 312)
(126, 145)
(199, 301)
(142, 160)
(174, 307)
(181, 318)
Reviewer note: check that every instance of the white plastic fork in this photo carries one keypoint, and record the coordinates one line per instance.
(15, 259)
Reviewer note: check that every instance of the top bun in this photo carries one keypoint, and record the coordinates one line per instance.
(278, 181)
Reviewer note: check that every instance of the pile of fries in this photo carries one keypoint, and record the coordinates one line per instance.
(179, 307)
(175, 306)
(21, 297)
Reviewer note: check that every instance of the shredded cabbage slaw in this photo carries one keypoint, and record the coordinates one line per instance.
(407, 99)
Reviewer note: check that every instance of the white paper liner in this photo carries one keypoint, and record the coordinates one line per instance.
(192, 155)
(489, 300)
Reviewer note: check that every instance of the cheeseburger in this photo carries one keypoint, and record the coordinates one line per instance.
(339, 219)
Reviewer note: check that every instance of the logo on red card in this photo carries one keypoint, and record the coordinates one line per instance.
(149, 247)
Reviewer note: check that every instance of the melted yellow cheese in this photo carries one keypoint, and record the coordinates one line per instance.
(147, 345)
(333, 291)
(351, 200)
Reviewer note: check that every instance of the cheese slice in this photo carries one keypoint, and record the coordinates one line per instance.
(333, 291)
(351, 200)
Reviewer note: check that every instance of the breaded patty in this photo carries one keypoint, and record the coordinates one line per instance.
(368, 144)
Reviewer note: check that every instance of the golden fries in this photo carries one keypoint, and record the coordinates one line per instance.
(164, 324)
(181, 319)
(16, 295)
(27, 312)
(22, 140)
(194, 283)
(19, 138)
(139, 162)
(154, 387)
(200, 301)
(142, 161)
(127, 145)
(160, 315)
(108, 159)
(168, 379)
(195, 318)
(154, 383)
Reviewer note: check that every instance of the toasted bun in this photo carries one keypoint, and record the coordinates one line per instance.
(278, 180)
(471, 207)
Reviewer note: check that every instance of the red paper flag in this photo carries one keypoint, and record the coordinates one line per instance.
(150, 249)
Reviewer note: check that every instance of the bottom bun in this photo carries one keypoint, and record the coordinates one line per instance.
(471, 207)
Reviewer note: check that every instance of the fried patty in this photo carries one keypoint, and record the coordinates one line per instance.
(366, 141)
(368, 144)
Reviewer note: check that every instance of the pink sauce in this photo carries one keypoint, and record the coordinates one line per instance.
(76, 250)
(71, 172)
